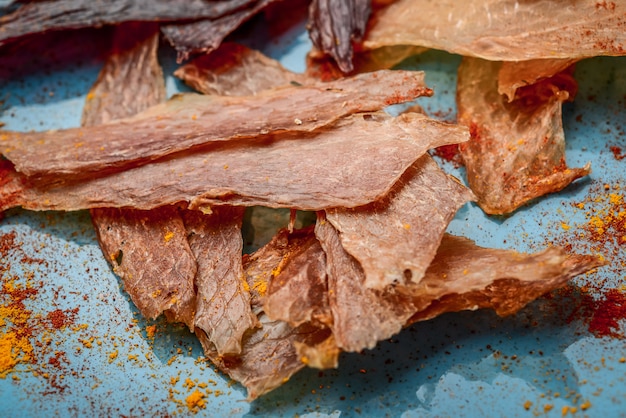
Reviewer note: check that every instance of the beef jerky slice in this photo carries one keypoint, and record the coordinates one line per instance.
(464, 276)
(503, 30)
(269, 355)
(42, 16)
(191, 120)
(206, 35)
(223, 304)
(297, 289)
(395, 239)
(514, 75)
(149, 252)
(517, 149)
(310, 171)
(361, 316)
(130, 81)
(335, 24)
(236, 70)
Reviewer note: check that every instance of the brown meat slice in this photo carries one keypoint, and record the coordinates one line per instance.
(464, 276)
(335, 24)
(514, 75)
(236, 70)
(192, 120)
(517, 149)
(206, 35)
(150, 253)
(131, 79)
(308, 171)
(503, 30)
(275, 351)
(361, 316)
(42, 16)
(223, 302)
(297, 289)
(395, 239)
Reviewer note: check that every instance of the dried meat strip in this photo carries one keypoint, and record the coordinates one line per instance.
(503, 30)
(464, 276)
(517, 149)
(205, 36)
(157, 281)
(42, 16)
(308, 171)
(192, 120)
(395, 239)
(236, 70)
(335, 24)
(223, 303)
(148, 250)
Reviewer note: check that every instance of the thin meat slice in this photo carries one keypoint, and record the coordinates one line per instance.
(335, 24)
(464, 276)
(308, 171)
(223, 303)
(395, 239)
(131, 79)
(42, 16)
(206, 35)
(517, 149)
(503, 30)
(361, 316)
(272, 353)
(192, 120)
(148, 250)
(297, 290)
(236, 70)
(150, 253)
(515, 75)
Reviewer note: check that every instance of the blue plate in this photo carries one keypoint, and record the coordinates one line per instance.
(92, 354)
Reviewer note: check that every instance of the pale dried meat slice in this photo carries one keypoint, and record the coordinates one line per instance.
(361, 317)
(272, 353)
(464, 276)
(335, 24)
(131, 79)
(192, 120)
(236, 70)
(42, 16)
(307, 171)
(395, 239)
(297, 289)
(223, 301)
(150, 253)
(503, 30)
(515, 75)
(206, 35)
(517, 150)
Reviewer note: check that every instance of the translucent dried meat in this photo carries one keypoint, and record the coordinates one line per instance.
(503, 30)
(517, 149)
(515, 75)
(42, 16)
(223, 308)
(236, 70)
(157, 281)
(282, 172)
(335, 24)
(192, 120)
(464, 276)
(395, 239)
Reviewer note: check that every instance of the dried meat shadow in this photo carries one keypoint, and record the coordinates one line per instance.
(478, 346)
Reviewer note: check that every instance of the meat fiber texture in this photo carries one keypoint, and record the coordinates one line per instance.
(193, 120)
